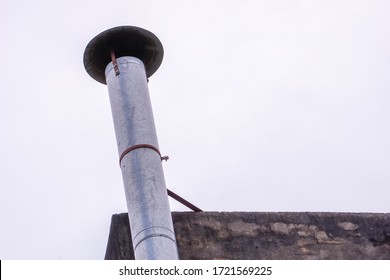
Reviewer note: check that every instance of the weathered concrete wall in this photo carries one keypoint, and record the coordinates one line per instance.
(253, 235)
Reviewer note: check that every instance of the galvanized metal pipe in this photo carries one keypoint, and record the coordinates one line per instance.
(146, 194)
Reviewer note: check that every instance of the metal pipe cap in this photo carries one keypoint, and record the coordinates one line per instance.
(123, 41)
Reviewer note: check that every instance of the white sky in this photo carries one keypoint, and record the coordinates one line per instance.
(261, 105)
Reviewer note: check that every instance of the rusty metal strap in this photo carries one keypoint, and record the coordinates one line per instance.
(139, 146)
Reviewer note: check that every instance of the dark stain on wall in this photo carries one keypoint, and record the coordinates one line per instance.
(257, 235)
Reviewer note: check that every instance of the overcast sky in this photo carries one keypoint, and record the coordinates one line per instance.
(261, 105)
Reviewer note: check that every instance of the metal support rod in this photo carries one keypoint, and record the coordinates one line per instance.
(113, 60)
(183, 201)
(143, 178)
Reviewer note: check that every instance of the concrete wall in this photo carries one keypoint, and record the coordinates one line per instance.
(253, 235)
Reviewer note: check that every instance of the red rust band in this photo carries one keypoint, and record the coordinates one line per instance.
(139, 146)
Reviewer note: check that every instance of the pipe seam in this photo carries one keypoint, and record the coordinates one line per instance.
(152, 236)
